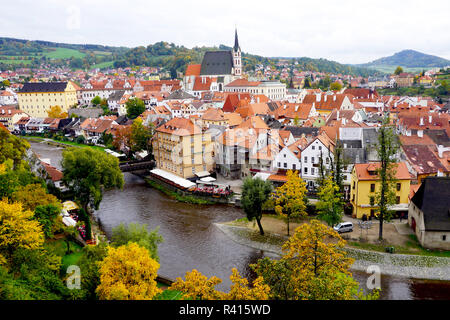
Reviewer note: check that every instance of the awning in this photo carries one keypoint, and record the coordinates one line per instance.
(202, 174)
(173, 178)
(69, 205)
(68, 221)
(208, 179)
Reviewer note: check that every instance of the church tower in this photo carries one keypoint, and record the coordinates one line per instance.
(237, 61)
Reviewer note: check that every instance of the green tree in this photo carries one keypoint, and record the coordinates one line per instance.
(387, 150)
(96, 101)
(12, 147)
(330, 205)
(139, 234)
(87, 172)
(398, 70)
(255, 192)
(135, 107)
(48, 216)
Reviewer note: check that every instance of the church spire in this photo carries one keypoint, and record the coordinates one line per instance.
(236, 42)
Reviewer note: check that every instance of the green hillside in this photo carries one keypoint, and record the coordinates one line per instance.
(409, 60)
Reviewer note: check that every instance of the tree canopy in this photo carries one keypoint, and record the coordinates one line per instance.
(255, 192)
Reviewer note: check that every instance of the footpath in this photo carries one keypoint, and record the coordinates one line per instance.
(402, 265)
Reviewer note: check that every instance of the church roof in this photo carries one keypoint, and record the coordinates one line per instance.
(217, 63)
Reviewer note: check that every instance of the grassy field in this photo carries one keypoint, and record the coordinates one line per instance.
(108, 64)
(63, 53)
(411, 247)
(59, 247)
(9, 61)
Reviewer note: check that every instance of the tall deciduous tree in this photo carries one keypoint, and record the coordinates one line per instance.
(290, 199)
(87, 172)
(33, 195)
(255, 192)
(398, 70)
(140, 136)
(128, 273)
(12, 147)
(330, 205)
(387, 150)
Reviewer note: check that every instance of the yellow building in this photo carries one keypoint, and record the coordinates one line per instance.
(180, 147)
(365, 184)
(9, 116)
(37, 98)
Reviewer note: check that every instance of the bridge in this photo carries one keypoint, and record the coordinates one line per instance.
(137, 165)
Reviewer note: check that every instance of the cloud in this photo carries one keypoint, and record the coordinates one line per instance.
(347, 31)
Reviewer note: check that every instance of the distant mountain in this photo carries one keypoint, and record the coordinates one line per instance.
(408, 59)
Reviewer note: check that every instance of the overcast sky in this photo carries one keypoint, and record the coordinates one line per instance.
(347, 31)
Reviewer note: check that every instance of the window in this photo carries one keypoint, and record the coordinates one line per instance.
(354, 184)
(285, 165)
(312, 160)
(284, 155)
(372, 213)
(372, 201)
(279, 164)
(320, 148)
(399, 186)
(294, 167)
(306, 170)
(312, 171)
(314, 147)
(372, 187)
(306, 159)
(397, 200)
(444, 237)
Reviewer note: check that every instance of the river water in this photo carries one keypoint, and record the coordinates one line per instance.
(192, 241)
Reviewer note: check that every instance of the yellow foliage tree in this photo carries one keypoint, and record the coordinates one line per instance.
(290, 198)
(56, 112)
(319, 263)
(128, 273)
(199, 287)
(34, 195)
(18, 229)
(240, 289)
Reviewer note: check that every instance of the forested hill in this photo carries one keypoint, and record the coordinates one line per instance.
(16, 53)
(410, 59)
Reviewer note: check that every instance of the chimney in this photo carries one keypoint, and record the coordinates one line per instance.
(440, 151)
(420, 133)
(421, 121)
(430, 119)
(334, 98)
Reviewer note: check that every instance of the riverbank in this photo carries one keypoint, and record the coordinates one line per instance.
(401, 265)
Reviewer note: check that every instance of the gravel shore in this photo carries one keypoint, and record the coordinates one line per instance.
(411, 266)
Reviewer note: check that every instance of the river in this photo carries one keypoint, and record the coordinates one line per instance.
(192, 241)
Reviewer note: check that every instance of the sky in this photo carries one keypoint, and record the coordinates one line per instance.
(347, 31)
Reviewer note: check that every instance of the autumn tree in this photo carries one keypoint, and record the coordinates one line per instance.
(255, 192)
(196, 286)
(330, 205)
(34, 195)
(141, 136)
(56, 112)
(135, 107)
(122, 139)
(336, 86)
(128, 273)
(319, 264)
(18, 229)
(87, 172)
(12, 147)
(290, 199)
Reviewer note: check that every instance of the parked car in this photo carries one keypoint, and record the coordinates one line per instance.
(344, 227)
